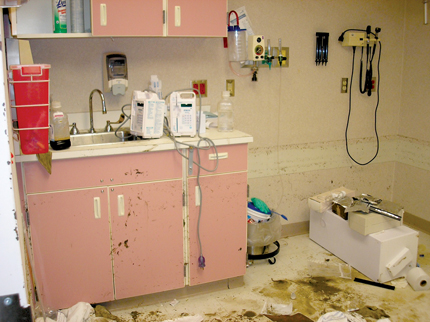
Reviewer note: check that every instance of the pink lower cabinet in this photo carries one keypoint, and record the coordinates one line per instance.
(114, 227)
(71, 247)
(222, 227)
(147, 237)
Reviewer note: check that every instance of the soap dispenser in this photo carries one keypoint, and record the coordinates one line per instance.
(115, 75)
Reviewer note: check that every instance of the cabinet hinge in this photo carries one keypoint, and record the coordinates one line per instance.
(27, 217)
(164, 17)
(185, 269)
(183, 199)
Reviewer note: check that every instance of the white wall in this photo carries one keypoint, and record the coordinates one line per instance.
(412, 178)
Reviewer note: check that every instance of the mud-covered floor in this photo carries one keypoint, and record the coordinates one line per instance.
(314, 296)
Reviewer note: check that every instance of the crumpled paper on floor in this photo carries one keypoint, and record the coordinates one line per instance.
(77, 313)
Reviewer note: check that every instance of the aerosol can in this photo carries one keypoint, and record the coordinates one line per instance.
(147, 115)
(183, 113)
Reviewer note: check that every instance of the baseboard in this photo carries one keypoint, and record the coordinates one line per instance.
(294, 229)
(178, 294)
(416, 222)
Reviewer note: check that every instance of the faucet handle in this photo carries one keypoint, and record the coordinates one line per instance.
(74, 130)
(120, 120)
(108, 127)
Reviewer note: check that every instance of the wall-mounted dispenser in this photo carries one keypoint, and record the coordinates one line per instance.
(115, 74)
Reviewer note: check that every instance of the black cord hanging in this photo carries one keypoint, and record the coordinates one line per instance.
(376, 108)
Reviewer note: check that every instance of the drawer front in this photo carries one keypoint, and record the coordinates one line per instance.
(232, 158)
(102, 171)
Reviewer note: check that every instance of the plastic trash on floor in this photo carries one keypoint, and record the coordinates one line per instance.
(277, 309)
(81, 311)
(329, 269)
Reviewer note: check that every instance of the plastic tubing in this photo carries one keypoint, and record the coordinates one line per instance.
(237, 74)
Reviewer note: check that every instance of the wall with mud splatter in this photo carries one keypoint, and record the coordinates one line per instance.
(296, 115)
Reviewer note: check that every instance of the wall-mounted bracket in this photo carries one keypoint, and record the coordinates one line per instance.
(285, 53)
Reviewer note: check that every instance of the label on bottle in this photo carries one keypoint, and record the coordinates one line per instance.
(57, 115)
(60, 17)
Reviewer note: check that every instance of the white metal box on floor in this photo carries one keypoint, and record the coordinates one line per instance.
(381, 256)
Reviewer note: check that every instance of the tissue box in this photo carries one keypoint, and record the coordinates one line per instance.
(323, 201)
(370, 223)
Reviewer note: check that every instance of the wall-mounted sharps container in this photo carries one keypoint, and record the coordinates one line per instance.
(237, 48)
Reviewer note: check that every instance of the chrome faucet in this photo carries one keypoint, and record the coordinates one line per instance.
(92, 130)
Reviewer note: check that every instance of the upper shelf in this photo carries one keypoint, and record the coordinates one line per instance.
(52, 35)
(127, 18)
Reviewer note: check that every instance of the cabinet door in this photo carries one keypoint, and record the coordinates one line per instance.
(127, 17)
(204, 18)
(222, 227)
(71, 247)
(147, 237)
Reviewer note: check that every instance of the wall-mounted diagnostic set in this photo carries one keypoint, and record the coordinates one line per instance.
(368, 41)
(115, 74)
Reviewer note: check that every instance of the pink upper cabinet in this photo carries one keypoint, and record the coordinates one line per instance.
(186, 18)
(199, 18)
(127, 17)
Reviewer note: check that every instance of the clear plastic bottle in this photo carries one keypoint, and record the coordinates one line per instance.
(225, 113)
(59, 128)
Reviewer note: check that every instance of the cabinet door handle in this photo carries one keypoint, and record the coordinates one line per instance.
(97, 211)
(103, 14)
(177, 16)
(120, 205)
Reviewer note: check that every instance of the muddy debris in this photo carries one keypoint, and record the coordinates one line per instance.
(298, 317)
(250, 314)
(135, 315)
(372, 312)
(101, 311)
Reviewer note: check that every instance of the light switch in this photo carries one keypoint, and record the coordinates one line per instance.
(229, 86)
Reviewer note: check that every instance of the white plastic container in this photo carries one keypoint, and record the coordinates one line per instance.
(59, 128)
(237, 49)
(77, 16)
(225, 113)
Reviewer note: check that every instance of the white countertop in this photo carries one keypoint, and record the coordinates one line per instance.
(147, 145)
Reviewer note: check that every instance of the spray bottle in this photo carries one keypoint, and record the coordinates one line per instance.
(60, 17)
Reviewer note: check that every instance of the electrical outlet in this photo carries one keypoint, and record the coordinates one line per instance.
(344, 86)
(229, 86)
(202, 86)
(373, 84)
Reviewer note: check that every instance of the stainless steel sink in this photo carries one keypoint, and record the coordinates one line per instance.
(99, 138)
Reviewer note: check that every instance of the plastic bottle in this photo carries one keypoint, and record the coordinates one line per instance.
(225, 113)
(59, 128)
(60, 17)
